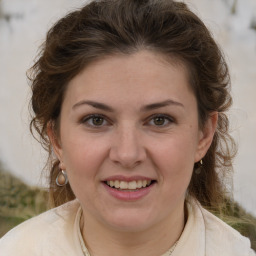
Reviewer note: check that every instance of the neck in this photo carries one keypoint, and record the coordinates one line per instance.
(156, 240)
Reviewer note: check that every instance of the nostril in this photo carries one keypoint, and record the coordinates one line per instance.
(127, 150)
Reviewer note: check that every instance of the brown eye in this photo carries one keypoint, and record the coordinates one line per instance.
(159, 120)
(97, 120)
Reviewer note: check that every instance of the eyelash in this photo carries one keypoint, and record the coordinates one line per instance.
(89, 118)
(166, 118)
(106, 122)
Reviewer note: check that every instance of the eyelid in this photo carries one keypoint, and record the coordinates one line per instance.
(166, 116)
(84, 120)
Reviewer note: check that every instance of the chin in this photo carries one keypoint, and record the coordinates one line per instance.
(129, 221)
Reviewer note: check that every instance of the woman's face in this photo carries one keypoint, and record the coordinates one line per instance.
(129, 138)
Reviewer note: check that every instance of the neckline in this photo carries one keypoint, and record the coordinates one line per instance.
(84, 248)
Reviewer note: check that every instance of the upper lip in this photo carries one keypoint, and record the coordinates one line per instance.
(125, 178)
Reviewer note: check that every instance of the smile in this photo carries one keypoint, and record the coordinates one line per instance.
(129, 185)
(129, 188)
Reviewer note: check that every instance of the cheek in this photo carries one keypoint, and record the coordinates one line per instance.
(83, 157)
(177, 169)
(175, 160)
(176, 178)
(177, 150)
(83, 163)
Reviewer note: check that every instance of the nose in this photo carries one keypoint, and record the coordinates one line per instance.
(127, 148)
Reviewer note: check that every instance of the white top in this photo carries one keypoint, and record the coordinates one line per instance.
(57, 232)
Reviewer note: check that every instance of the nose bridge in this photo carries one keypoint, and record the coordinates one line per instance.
(127, 147)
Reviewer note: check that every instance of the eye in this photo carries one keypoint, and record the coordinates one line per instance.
(160, 120)
(95, 121)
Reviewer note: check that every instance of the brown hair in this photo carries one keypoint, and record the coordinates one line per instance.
(106, 27)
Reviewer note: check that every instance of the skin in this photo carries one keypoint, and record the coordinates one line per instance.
(129, 140)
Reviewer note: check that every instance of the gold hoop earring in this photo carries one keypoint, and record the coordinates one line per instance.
(62, 178)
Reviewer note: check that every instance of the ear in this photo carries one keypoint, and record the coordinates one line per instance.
(206, 136)
(55, 142)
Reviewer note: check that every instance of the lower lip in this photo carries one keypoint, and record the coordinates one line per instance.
(128, 195)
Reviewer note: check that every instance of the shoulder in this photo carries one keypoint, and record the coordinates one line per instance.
(35, 234)
(223, 239)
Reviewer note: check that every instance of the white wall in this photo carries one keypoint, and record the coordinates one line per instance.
(21, 36)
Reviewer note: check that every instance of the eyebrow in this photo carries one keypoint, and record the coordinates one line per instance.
(161, 105)
(94, 104)
(145, 108)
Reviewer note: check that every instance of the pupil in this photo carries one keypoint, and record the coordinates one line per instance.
(159, 120)
(97, 120)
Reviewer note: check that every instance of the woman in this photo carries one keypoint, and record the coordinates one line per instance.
(129, 99)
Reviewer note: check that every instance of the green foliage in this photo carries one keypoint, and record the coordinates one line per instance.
(235, 216)
(18, 201)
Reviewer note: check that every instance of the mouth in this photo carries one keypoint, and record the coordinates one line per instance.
(127, 186)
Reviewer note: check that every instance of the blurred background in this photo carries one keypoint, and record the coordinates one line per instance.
(23, 26)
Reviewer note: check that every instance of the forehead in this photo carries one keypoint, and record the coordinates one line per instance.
(137, 76)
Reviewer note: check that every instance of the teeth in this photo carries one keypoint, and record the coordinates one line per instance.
(139, 184)
(132, 185)
(117, 184)
(123, 185)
